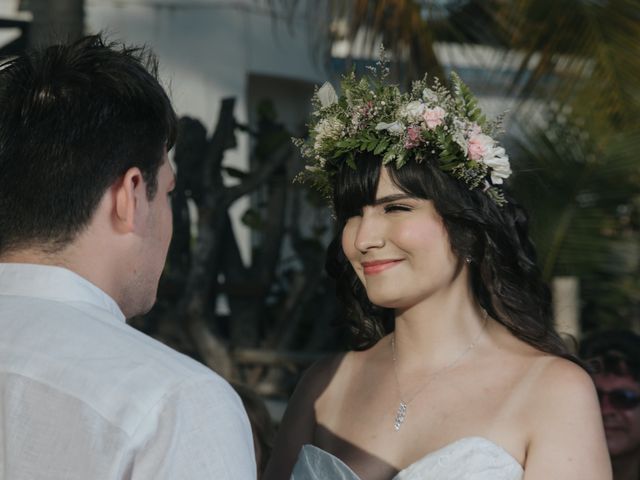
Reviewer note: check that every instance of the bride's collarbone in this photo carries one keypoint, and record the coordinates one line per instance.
(473, 399)
(448, 410)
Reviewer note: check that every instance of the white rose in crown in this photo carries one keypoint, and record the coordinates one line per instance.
(413, 111)
(429, 95)
(396, 128)
(498, 161)
(327, 95)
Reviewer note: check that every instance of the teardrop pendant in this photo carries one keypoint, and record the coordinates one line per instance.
(401, 414)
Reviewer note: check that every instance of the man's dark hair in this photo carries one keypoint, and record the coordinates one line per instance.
(615, 352)
(74, 118)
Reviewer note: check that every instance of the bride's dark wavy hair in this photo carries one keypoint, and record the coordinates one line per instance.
(505, 278)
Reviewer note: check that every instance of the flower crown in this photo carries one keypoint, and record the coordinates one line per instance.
(372, 116)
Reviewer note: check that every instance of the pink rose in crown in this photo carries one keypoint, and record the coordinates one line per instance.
(413, 138)
(478, 146)
(434, 117)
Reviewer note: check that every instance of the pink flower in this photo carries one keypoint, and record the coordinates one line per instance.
(478, 146)
(434, 117)
(366, 109)
(413, 138)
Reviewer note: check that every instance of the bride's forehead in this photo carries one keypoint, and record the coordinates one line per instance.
(386, 185)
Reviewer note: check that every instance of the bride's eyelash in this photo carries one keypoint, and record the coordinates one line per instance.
(397, 207)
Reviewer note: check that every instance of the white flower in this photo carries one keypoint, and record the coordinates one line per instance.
(498, 161)
(327, 95)
(412, 111)
(394, 127)
(327, 129)
(429, 95)
(458, 133)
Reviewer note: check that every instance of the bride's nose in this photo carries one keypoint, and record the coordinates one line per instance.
(369, 233)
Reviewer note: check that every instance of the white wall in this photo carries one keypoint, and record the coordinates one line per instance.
(9, 9)
(208, 49)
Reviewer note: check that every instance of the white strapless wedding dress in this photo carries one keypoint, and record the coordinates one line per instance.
(470, 458)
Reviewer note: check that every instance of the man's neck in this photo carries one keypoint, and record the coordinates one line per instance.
(33, 256)
(74, 257)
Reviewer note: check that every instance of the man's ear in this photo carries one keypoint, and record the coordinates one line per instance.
(130, 199)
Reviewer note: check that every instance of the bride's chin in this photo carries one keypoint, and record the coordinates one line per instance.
(383, 301)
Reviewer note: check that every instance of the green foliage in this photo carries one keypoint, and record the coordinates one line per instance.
(575, 190)
(466, 101)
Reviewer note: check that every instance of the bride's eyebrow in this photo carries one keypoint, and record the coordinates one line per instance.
(392, 198)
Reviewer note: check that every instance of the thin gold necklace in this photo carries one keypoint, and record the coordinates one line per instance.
(401, 413)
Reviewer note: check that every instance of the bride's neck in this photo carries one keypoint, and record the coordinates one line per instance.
(434, 330)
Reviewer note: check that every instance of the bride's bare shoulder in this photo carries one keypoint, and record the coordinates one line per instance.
(561, 414)
(299, 422)
(323, 371)
(339, 369)
(566, 425)
(557, 410)
(559, 382)
(332, 373)
(547, 379)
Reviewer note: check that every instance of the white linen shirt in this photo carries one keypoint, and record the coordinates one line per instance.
(84, 396)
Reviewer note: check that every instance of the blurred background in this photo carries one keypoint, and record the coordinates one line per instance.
(244, 290)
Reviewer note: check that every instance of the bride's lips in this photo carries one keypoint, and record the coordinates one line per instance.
(377, 266)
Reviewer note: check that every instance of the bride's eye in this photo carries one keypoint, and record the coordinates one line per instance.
(396, 207)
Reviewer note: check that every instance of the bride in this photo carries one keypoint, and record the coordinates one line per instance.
(457, 372)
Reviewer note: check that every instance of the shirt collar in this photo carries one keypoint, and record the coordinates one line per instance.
(54, 283)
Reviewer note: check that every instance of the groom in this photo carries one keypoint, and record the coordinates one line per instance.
(85, 224)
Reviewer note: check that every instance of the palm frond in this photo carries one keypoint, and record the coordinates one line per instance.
(574, 190)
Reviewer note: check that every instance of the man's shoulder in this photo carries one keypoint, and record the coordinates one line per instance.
(107, 365)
